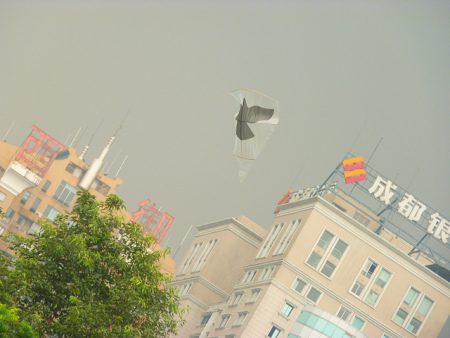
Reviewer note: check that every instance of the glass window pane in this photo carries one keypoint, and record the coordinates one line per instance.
(314, 259)
(299, 285)
(414, 325)
(411, 297)
(357, 288)
(287, 310)
(400, 316)
(425, 306)
(312, 320)
(339, 249)
(320, 325)
(303, 318)
(358, 323)
(383, 278)
(371, 298)
(343, 313)
(369, 269)
(329, 329)
(325, 240)
(328, 269)
(313, 295)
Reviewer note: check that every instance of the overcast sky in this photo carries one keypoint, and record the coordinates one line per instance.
(337, 68)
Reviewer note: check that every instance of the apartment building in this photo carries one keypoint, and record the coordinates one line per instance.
(330, 265)
(41, 179)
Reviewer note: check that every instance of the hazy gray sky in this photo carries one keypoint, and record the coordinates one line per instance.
(332, 66)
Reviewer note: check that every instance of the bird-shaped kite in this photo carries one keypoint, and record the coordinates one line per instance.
(256, 121)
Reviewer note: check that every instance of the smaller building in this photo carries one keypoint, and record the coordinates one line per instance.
(329, 266)
(41, 179)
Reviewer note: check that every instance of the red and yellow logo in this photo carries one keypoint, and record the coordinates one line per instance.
(354, 169)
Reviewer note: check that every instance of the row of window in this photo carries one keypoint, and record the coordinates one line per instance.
(209, 246)
(284, 242)
(265, 274)
(324, 326)
(370, 283)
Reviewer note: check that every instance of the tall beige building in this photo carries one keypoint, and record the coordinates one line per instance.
(327, 267)
(41, 179)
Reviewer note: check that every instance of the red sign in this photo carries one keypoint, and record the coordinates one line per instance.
(39, 151)
(148, 215)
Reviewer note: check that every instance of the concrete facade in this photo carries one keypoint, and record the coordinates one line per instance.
(54, 194)
(322, 253)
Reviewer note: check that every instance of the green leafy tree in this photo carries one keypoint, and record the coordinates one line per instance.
(91, 274)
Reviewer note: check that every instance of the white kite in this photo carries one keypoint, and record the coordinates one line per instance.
(256, 121)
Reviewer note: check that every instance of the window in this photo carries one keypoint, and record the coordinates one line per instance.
(190, 257)
(25, 197)
(184, 289)
(240, 319)
(2, 196)
(204, 256)
(343, 313)
(205, 319)
(290, 231)
(357, 322)
(65, 193)
(299, 285)
(313, 295)
(237, 298)
(35, 205)
(361, 219)
(101, 187)
(253, 296)
(8, 215)
(369, 269)
(249, 276)
(339, 207)
(327, 254)
(287, 309)
(46, 186)
(74, 170)
(267, 272)
(371, 282)
(34, 229)
(270, 240)
(413, 311)
(50, 213)
(274, 332)
(224, 321)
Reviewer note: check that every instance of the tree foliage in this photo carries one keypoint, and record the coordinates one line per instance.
(91, 274)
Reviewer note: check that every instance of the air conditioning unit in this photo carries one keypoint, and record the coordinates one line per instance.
(38, 213)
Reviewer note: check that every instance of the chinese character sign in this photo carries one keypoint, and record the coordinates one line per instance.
(439, 227)
(148, 215)
(39, 151)
(382, 189)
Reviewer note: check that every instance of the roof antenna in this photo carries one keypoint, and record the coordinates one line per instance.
(74, 138)
(4, 139)
(117, 174)
(97, 163)
(115, 158)
(76, 143)
(92, 137)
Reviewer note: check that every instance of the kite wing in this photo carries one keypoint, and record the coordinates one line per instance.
(256, 121)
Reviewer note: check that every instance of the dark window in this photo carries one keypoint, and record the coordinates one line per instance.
(65, 193)
(274, 332)
(75, 170)
(35, 205)
(46, 186)
(8, 215)
(205, 319)
(25, 197)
